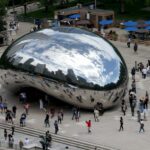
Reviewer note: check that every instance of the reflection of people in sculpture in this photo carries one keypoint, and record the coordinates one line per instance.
(100, 108)
(41, 104)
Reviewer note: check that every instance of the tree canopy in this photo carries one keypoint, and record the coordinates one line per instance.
(3, 4)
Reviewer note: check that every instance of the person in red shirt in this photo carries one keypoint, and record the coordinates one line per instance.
(88, 124)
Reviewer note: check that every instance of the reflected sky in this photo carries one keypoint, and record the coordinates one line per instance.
(90, 57)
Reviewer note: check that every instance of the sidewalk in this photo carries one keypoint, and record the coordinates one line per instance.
(104, 132)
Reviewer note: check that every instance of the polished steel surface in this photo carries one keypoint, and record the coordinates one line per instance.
(72, 64)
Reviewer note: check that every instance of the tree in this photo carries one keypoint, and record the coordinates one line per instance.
(132, 2)
(46, 4)
(3, 4)
(24, 3)
(147, 2)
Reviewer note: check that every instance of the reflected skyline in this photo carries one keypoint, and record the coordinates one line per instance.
(74, 56)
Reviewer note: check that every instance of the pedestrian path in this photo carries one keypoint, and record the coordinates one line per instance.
(105, 131)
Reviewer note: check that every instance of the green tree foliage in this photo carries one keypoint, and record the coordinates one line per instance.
(46, 4)
(3, 4)
(147, 2)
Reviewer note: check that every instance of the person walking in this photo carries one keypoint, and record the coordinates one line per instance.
(146, 100)
(121, 124)
(56, 126)
(124, 108)
(46, 121)
(133, 105)
(13, 129)
(138, 116)
(5, 134)
(88, 124)
(141, 126)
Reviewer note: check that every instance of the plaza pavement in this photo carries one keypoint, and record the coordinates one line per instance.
(104, 132)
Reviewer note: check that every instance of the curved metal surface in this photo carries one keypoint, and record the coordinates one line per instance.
(72, 64)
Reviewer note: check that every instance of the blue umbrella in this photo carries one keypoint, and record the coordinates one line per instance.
(130, 23)
(105, 22)
(74, 16)
(147, 22)
(147, 28)
(131, 29)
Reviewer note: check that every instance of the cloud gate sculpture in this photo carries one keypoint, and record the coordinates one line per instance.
(71, 64)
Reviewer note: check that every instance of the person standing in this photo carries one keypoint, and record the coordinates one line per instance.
(74, 110)
(88, 124)
(133, 73)
(135, 47)
(41, 104)
(56, 126)
(128, 42)
(59, 117)
(14, 110)
(26, 141)
(96, 115)
(62, 113)
(26, 107)
(21, 144)
(77, 115)
(5, 134)
(133, 86)
(121, 124)
(141, 126)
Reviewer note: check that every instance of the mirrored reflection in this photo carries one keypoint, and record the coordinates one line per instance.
(68, 55)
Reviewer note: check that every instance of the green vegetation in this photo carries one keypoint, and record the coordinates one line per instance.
(48, 12)
(132, 9)
(41, 13)
(3, 4)
(124, 9)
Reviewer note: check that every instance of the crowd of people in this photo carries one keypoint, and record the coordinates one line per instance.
(135, 102)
